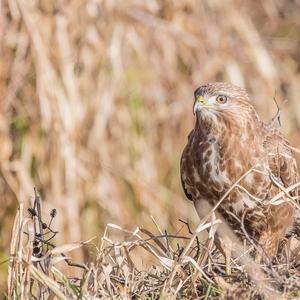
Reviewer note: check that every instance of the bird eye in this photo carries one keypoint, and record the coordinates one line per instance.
(222, 99)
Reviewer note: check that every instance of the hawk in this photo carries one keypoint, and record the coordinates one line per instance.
(229, 142)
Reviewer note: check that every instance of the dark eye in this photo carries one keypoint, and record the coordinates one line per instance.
(222, 99)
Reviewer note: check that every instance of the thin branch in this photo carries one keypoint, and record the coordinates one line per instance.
(277, 115)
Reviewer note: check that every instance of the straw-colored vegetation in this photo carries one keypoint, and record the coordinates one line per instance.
(95, 108)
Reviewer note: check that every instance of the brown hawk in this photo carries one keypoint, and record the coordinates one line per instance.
(228, 140)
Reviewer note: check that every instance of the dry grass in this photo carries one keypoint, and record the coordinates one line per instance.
(96, 96)
(184, 266)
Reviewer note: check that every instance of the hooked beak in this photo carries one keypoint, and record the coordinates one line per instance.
(198, 103)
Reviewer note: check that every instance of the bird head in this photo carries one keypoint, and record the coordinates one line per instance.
(218, 98)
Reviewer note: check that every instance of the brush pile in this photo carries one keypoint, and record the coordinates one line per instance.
(184, 267)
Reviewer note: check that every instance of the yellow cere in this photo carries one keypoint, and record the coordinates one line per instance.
(200, 99)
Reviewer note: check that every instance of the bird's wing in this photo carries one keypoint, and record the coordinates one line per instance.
(281, 160)
(187, 194)
(183, 169)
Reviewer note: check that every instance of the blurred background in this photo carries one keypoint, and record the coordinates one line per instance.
(96, 101)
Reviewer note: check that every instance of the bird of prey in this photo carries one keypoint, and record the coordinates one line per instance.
(231, 148)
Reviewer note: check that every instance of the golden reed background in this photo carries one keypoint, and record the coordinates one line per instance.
(96, 100)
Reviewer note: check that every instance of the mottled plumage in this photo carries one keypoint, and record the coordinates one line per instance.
(229, 139)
